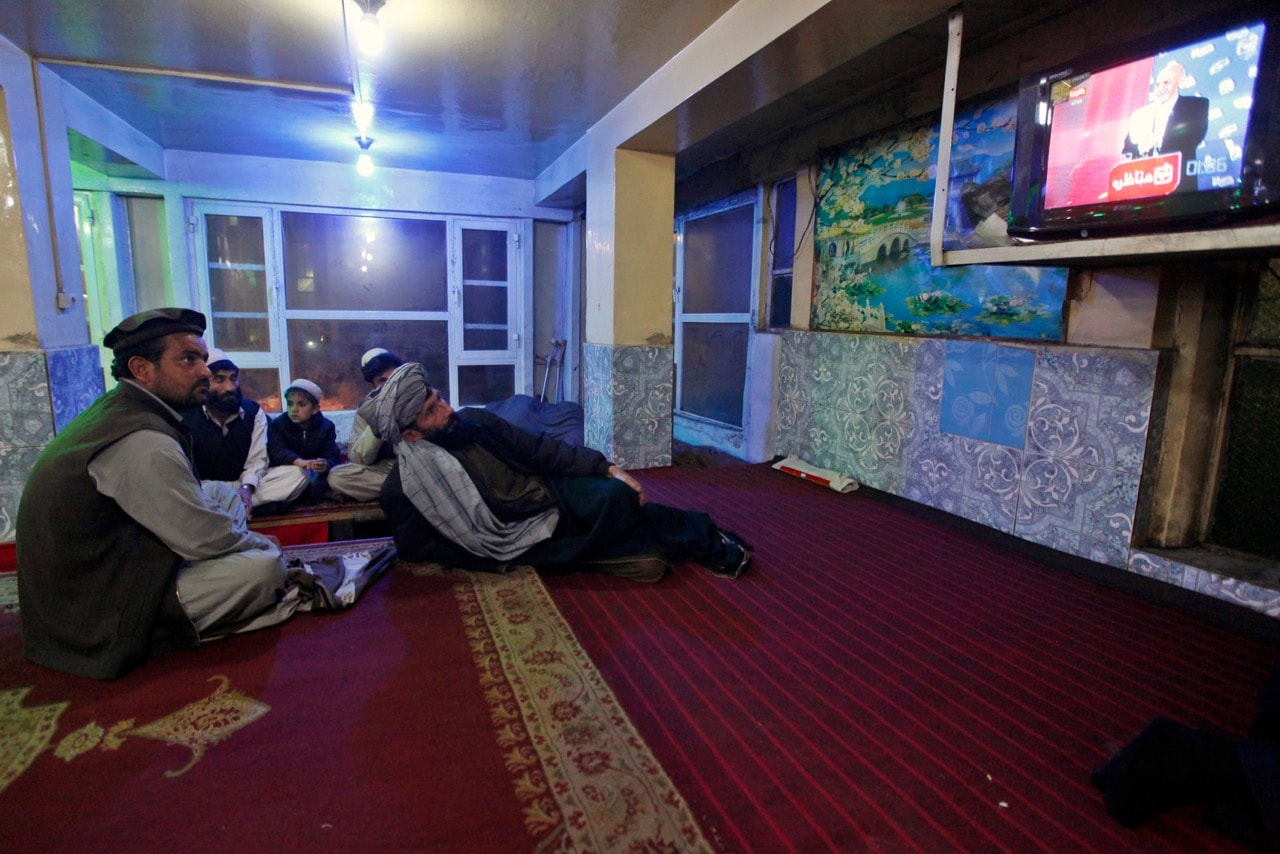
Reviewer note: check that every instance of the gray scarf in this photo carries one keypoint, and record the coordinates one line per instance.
(437, 484)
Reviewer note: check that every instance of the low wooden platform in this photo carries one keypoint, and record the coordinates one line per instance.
(322, 523)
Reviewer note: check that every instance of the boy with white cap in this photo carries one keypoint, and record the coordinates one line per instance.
(303, 438)
(369, 459)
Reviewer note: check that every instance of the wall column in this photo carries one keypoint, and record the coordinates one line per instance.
(628, 354)
(48, 371)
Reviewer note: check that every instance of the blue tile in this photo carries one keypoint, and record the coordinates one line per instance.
(75, 381)
(1011, 395)
(967, 389)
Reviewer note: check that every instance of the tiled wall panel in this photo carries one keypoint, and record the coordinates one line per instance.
(39, 392)
(1045, 443)
(628, 406)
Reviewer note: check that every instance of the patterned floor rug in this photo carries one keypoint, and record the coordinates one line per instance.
(445, 710)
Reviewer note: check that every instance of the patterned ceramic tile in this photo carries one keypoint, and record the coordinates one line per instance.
(1011, 395)
(75, 379)
(933, 475)
(894, 420)
(26, 415)
(794, 414)
(597, 409)
(986, 391)
(1263, 599)
(628, 411)
(1093, 408)
(968, 388)
(15, 465)
(1157, 567)
(1074, 507)
(989, 479)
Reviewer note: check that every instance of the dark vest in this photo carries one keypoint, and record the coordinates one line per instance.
(220, 457)
(97, 590)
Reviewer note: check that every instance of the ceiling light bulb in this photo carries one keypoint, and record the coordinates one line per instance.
(369, 34)
(364, 164)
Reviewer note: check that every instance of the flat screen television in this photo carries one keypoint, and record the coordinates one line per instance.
(1180, 131)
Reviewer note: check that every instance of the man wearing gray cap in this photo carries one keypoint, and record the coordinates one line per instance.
(121, 553)
(229, 441)
(471, 490)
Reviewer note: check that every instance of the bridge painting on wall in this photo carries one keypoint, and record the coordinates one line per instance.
(875, 201)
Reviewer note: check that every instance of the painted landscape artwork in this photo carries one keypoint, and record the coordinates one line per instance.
(875, 205)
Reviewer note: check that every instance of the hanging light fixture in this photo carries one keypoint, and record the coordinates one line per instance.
(362, 113)
(364, 163)
(368, 28)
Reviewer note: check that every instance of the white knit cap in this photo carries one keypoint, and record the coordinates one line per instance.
(370, 355)
(305, 385)
(216, 356)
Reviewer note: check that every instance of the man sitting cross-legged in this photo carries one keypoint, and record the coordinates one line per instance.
(121, 553)
(472, 491)
(229, 441)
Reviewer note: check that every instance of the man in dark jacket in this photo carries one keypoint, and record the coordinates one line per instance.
(121, 553)
(229, 441)
(470, 490)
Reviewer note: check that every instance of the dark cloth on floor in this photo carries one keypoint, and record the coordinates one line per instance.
(1171, 764)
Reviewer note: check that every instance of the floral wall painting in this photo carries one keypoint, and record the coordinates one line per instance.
(875, 201)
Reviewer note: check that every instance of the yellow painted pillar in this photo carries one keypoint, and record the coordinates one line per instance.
(18, 320)
(628, 355)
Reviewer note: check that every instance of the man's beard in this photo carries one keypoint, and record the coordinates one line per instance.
(226, 402)
(452, 434)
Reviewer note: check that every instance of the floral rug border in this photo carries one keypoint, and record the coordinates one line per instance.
(585, 776)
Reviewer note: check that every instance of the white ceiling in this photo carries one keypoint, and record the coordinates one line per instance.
(491, 87)
(495, 87)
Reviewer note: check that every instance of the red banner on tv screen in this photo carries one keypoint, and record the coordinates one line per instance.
(1145, 178)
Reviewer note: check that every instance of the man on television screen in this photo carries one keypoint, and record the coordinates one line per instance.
(1169, 122)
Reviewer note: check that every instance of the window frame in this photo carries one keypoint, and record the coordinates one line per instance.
(520, 295)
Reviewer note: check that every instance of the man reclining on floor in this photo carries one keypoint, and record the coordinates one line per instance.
(470, 490)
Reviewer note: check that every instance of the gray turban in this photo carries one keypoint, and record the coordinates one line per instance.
(397, 403)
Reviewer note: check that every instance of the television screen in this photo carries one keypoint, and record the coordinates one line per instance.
(1177, 134)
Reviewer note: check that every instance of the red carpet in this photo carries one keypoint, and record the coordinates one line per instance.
(450, 712)
(878, 681)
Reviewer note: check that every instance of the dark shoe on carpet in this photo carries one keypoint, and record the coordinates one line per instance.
(735, 555)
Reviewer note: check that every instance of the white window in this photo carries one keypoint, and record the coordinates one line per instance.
(303, 293)
(717, 266)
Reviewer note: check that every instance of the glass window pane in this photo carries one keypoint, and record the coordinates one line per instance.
(484, 318)
(713, 371)
(262, 386)
(336, 263)
(481, 384)
(235, 240)
(780, 301)
(236, 255)
(717, 262)
(149, 249)
(784, 225)
(328, 352)
(484, 255)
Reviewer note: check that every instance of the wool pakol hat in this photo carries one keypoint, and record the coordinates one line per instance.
(153, 323)
(305, 385)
